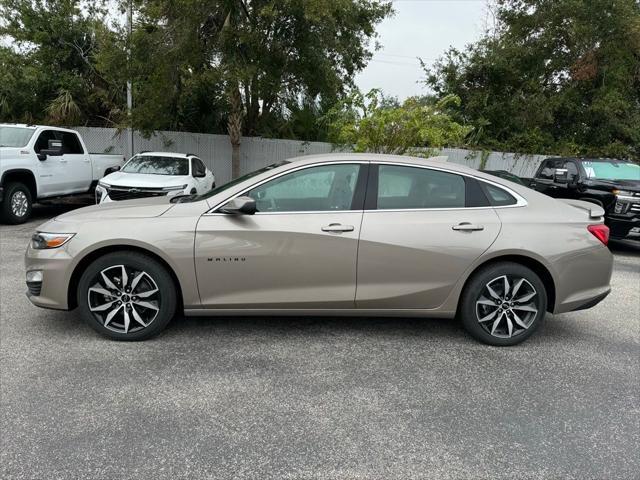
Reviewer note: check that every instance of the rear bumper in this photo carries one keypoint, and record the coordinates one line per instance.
(593, 301)
(583, 280)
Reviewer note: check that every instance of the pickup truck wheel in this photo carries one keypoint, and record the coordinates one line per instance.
(127, 296)
(17, 203)
(503, 304)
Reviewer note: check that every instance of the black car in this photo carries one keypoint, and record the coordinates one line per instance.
(506, 175)
(612, 184)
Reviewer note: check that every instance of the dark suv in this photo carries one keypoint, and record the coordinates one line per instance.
(612, 184)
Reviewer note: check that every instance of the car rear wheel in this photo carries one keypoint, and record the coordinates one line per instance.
(503, 304)
(127, 296)
(17, 203)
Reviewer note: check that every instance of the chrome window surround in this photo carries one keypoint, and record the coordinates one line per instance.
(520, 201)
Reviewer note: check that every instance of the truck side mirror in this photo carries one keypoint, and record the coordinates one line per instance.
(54, 150)
(561, 175)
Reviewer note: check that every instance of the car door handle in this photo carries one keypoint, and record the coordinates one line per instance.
(62, 160)
(337, 227)
(467, 227)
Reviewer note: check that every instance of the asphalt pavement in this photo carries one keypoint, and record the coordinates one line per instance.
(336, 398)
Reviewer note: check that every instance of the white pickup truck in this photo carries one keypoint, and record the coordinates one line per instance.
(38, 162)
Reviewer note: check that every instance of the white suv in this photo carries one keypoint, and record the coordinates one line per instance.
(155, 174)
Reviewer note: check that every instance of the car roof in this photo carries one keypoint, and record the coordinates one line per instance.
(166, 154)
(435, 161)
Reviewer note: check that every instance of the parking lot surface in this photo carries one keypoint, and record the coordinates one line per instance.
(318, 397)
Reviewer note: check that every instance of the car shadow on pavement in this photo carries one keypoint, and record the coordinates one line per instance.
(46, 211)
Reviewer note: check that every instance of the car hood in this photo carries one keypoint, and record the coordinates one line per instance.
(141, 208)
(144, 180)
(629, 185)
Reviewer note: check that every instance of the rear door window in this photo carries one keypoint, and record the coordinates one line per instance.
(71, 143)
(401, 187)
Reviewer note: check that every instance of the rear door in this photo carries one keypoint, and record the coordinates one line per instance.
(298, 251)
(421, 230)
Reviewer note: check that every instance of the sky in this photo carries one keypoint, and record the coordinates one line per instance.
(420, 28)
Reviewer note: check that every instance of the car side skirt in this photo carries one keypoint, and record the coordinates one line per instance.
(342, 312)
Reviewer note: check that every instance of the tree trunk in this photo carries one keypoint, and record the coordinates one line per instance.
(235, 129)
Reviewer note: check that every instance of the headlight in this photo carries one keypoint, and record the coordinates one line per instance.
(101, 191)
(622, 193)
(45, 241)
(177, 187)
(103, 185)
(175, 190)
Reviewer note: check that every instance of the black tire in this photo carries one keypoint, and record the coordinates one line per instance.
(474, 305)
(9, 214)
(152, 274)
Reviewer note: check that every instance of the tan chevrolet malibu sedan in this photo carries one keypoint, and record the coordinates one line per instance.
(340, 234)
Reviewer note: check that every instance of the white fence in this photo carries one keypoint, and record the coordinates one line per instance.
(255, 152)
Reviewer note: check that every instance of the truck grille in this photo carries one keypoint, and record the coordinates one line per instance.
(131, 193)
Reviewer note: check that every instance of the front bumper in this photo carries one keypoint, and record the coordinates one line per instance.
(55, 265)
(621, 225)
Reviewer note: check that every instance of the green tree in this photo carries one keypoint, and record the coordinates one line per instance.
(556, 76)
(47, 72)
(256, 59)
(373, 123)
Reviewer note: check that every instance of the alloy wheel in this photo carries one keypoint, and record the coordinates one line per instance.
(507, 306)
(123, 299)
(19, 203)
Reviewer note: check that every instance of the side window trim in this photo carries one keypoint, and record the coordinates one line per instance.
(357, 194)
(372, 190)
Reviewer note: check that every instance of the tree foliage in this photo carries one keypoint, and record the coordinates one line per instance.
(47, 67)
(188, 61)
(373, 123)
(557, 76)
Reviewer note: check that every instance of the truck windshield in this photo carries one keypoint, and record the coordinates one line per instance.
(604, 170)
(157, 165)
(15, 136)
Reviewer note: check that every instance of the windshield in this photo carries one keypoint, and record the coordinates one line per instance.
(157, 165)
(604, 170)
(238, 180)
(15, 136)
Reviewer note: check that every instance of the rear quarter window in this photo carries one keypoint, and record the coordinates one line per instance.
(497, 196)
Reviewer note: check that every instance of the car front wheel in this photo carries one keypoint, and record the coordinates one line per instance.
(127, 296)
(503, 304)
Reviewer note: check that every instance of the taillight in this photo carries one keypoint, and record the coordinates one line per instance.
(601, 232)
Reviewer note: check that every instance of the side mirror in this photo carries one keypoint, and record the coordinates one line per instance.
(54, 150)
(111, 170)
(200, 175)
(240, 206)
(561, 175)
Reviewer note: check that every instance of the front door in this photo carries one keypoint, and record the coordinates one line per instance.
(52, 170)
(418, 237)
(298, 251)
